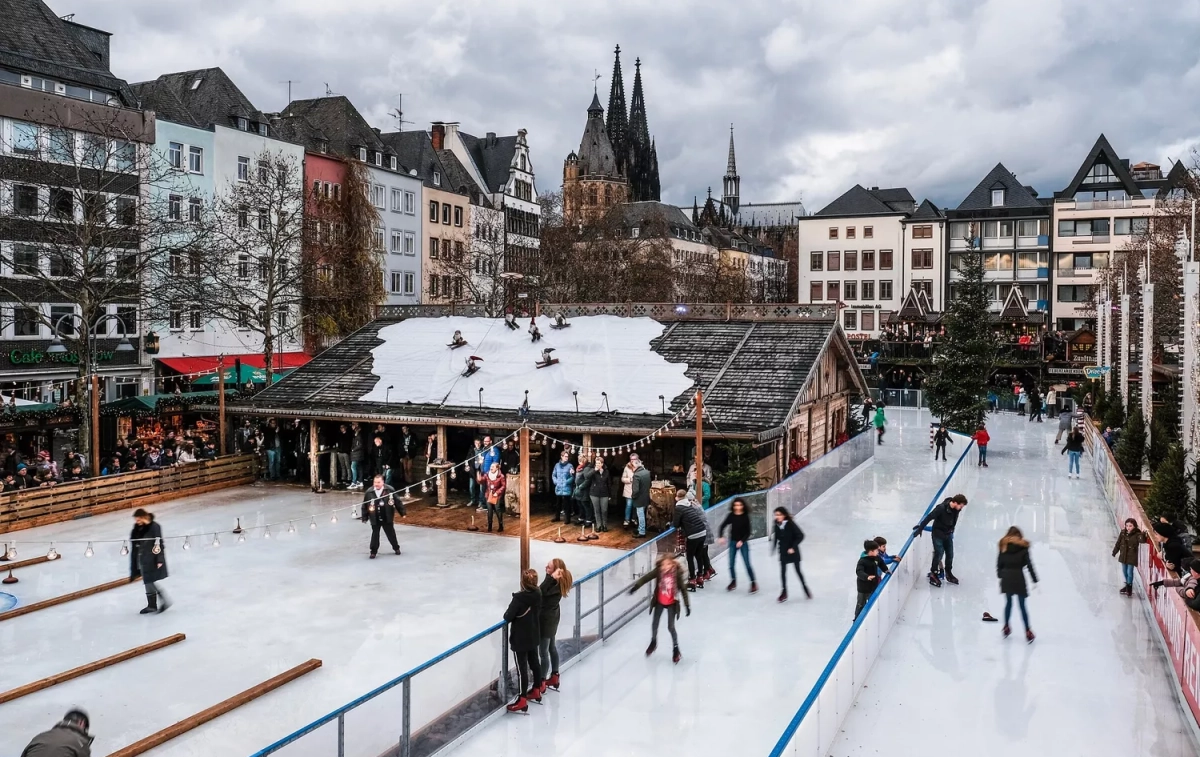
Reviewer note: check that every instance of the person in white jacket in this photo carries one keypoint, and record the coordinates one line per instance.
(627, 490)
(186, 455)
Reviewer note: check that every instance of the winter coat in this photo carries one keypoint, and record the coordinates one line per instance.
(142, 560)
(358, 450)
(549, 615)
(385, 508)
(785, 536)
(1174, 550)
(866, 568)
(583, 481)
(1074, 443)
(641, 487)
(63, 740)
(495, 488)
(475, 462)
(680, 582)
(880, 420)
(940, 437)
(408, 446)
(563, 477)
(379, 457)
(690, 521)
(343, 441)
(944, 519)
(1183, 584)
(627, 482)
(1064, 422)
(490, 455)
(738, 525)
(522, 615)
(1011, 564)
(1126, 548)
(982, 437)
(510, 460)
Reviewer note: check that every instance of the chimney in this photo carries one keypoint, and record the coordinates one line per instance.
(438, 135)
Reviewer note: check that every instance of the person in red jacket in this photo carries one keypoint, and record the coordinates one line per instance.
(495, 483)
(981, 440)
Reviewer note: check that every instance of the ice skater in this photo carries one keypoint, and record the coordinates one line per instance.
(940, 438)
(888, 560)
(668, 583)
(1129, 541)
(868, 573)
(786, 537)
(982, 438)
(68, 738)
(1073, 449)
(379, 507)
(1064, 426)
(689, 520)
(738, 523)
(524, 637)
(555, 586)
(944, 517)
(1011, 564)
(496, 483)
(880, 423)
(148, 559)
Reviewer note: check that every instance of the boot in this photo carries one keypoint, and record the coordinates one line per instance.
(690, 585)
(950, 577)
(151, 604)
(163, 604)
(732, 585)
(1128, 590)
(553, 682)
(782, 597)
(535, 694)
(653, 646)
(520, 705)
(1007, 631)
(676, 657)
(753, 587)
(1028, 636)
(934, 580)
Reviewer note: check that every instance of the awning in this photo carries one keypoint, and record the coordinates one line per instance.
(147, 403)
(208, 364)
(248, 374)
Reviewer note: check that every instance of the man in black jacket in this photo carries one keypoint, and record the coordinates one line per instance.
(870, 567)
(379, 458)
(69, 738)
(944, 518)
(379, 506)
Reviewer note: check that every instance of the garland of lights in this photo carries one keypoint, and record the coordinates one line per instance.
(682, 414)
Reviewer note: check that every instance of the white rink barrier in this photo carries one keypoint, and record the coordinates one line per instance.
(812, 730)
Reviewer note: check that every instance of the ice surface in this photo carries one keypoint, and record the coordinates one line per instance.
(250, 611)
(1095, 682)
(748, 662)
(599, 353)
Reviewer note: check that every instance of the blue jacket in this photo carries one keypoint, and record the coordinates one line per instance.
(491, 455)
(564, 479)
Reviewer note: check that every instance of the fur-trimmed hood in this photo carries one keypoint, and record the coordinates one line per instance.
(1014, 541)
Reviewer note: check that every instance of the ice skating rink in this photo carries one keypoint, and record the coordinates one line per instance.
(748, 662)
(250, 611)
(1095, 682)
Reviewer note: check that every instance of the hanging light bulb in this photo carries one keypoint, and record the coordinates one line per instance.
(241, 537)
(354, 511)
(53, 553)
(267, 533)
(452, 474)
(313, 523)
(187, 542)
(333, 518)
(424, 487)
(89, 551)
(157, 549)
(216, 541)
(291, 526)
(124, 548)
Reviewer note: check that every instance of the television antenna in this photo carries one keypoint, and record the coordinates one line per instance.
(289, 83)
(398, 114)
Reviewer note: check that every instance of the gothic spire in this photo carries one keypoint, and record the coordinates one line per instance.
(731, 165)
(639, 129)
(617, 118)
(731, 183)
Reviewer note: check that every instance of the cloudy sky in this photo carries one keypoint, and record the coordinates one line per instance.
(927, 94)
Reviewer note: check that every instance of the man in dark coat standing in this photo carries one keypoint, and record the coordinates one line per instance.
(68, 738)
(944, 518)
(148, 559)
(640, 492)
(379, 506)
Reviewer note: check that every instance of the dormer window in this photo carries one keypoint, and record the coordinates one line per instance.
(243, 124)
(362, 154)
(437, 179)
(997, 198)
(378, 158)
(262, 130)
(323, 146)
(196, 84)
(392, 162)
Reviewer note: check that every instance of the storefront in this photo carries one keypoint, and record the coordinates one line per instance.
(31, 370)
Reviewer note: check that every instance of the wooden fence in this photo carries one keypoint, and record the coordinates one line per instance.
(54, 504)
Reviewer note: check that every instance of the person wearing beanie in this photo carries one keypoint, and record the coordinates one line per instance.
(68, 738)
(868, 573)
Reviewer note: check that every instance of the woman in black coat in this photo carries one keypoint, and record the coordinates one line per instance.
(1011, 564)
(148, 559)
(555, 586)
(786, 537)
(524, 637)
(583, 491)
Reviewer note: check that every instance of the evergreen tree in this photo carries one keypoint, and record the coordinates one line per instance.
(741, 475)
(1131, 446)
(957, 383)
(1164, 429)
(1100, 404)
(1114, 409)
(1169, 488)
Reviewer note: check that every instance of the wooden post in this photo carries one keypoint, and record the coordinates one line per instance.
(53, 601)
(95, 458)
(221, 401)
(587, 445)
(442, 479)
(523, 440)
(91, 667)
(314, 457)
(699, 446)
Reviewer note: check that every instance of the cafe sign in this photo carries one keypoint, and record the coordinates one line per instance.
(37, 357)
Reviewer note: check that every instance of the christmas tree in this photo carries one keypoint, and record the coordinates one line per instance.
(1164, 428)
(957, 383)
(1169, 488)
(1114, 408)
(1131, 446)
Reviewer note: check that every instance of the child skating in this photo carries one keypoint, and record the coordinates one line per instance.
(941, 437)
(786, 537)
(1011, 564)
(1129, 541)
(868, 572)
(668, 587)
(982, 438)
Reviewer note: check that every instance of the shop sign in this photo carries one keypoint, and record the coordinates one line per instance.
(37, 357)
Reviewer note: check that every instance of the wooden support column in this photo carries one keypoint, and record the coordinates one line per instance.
(699, 446)
(314, 457)
(525, 480)
(95, 458)
(221, 428)
(587, 444)
(442, 479)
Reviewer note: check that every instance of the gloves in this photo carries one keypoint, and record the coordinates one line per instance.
(918, 530)
(1156, 585)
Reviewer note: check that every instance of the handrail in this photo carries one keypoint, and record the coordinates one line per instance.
(827, 673)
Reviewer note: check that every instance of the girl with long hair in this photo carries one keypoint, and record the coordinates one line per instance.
(555, 586)
(668, 588)
(523, 637)
(1011, 564)
(786, 537)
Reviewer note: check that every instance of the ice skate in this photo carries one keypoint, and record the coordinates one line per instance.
(732, 585)
(807, 593)
(535, 694)
(552, 682)
(753, 587)
(934, 580)
(1028, 636)
(782, 597)
(653, 646)
(520, 706)
(676, 657)
(1007, 631)
(951, 578)
(1127, 590)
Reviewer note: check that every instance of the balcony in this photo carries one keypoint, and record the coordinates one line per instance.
(1093, 239)
(1075, 271)
(1127, 203)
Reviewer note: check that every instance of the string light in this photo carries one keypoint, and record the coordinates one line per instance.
(333, 518)
(157, 548)
(267, 533)
(216, 541)
(187, 542)
(241, 537)
(312, 525)
(12, 551)
(124, 548)
(89, 551)
(53, 553)
(354, 510)
(291, 526)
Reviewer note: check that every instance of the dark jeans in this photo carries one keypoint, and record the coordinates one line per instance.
(584, 509)
(389, 529)
(783, 576)
(733, 553)
(657, 613)
(564, 505)
(529, 669)
(498, 510)
(1008, 598)
(942, 545)
(939, 450)
(862, 601)
(694, 561)
(982, 454)
(475, 491)
(548, 656)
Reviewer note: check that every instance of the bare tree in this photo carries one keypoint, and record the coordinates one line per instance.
(254, 271)
(98, 220)
(713, 276)
(479, 270)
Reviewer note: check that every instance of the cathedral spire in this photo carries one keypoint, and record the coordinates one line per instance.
(639, 129)
(731, 183)
(641, 155)
(731, 166)
(617, 118)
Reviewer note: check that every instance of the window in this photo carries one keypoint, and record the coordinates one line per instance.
(124, 156)
(62, 204)
(243, 266)
(195, 318)
(175, 262)
(868, 290)
(194, 207)
(262, 130)
(195, 159)
(1121, 226)
(263, 221)
(868, 320)
(815, 292)
(264, 171)
(868, 260)
(377, 196)
(833, 291)
(264, 270)
(24, 138)
(458, 215)
(62, 145)
(433, 248)
(243, 320)
(410, 203)
(924, 231)
(26, 322)
(397, 243)
(437, 179)
(392, 162)
(61, 264)
(127, 263)
(175, 318)
(446, 213)
(433, 286)
(433, 211)
(378, 240)
(850, 290)
(26, 260)
(922, 259)
(1077, 293)
(458, 288)
(397, 201)
(282, 269)
(175, 155)
(850, 320)
(850, 262)
(362, 154)
(1027, 228)
(378, 158)
(1100, 227)
(1099, 173)
(410, 243)
(834, 261)
(62, 320)
(175, 207)
(337, 191)
(243, 124)
(126, 210)
(833, 232)
(885, 260)
(243, 219)
(410, 283)
(849, 232)
(816, 261)
(997, 197)
(868, 232)
(25, 200)
(885, 290)
(396, 282)
(281, 318)
(243, 173)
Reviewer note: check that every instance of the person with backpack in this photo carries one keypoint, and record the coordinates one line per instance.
(786, 537)
(668, 581)
(1129, 541)
(982, 438)
(1011, 564)
(940, 438)
(944, 517)
(738, 523)
(868, 573)
(1073, 449)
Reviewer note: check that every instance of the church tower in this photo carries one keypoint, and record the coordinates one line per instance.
(618, 123)
(592, 181)
(731, 197)
(641, 162)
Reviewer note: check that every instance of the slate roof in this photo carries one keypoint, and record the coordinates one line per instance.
(596, 156)
(860, 201)
(301, 131)
(632, 214)
(1102, 150)
(751, 372)
(1016, 195)
(345, 128)
(34, 40)
(216, 100)
(414, 150)
(456, 178)
(493, 156)
(768, 214)
(927, 211)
